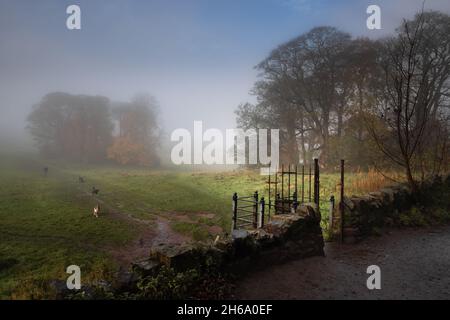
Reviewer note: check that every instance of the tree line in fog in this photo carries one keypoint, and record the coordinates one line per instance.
(92, 129)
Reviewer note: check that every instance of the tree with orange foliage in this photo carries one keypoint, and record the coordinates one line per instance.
(137, 140)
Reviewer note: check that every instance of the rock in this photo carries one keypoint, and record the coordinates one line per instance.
(179, 257)
(185, 257)
(349, 205)
(126, 281)
(309, 210)
(245, 245)
(239, 234)
(60, 287)
(146, 267)
(263, 238)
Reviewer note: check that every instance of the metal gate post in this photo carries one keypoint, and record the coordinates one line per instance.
(263, 203)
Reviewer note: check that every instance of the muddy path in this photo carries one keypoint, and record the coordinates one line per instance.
(148, 237)
(415, 264)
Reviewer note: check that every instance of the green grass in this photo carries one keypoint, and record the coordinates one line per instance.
(46, 226)
(46, 222)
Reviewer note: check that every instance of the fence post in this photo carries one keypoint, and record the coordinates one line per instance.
(234, 223)
(316, 182)
(282, 189)
(255, 210)
(341, 204)
(263, 203)
(332, 201)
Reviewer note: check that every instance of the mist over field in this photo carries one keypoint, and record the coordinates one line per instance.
(165, 150)
(196, 59)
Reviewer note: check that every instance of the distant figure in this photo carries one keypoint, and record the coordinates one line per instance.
(96, 210)
(45, 171)
(80, 179)
(95, 191)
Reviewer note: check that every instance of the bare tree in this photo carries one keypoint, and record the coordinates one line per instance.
(416, 67)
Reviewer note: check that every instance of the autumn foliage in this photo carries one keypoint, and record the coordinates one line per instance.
(125, 151)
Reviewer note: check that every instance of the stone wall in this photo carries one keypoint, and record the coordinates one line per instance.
(364, 214)
(284, 237)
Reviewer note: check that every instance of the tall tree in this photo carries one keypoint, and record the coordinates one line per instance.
(74, 127)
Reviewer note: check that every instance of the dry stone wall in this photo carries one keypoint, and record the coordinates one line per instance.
(284, 237)
(364, 214)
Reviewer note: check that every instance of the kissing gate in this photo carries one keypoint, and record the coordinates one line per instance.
(285, 193)
(284, 196)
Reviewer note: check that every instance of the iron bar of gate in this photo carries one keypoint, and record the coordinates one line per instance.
(303, 183)
(248, 201)
(316, 182)
(296, 186)
(252, 212)
(235, 197)
(248, 206)
(289, 182)
(309, 182)
(276, 190)
(295, 194)
(246, 224)
(341, 204)
(262, 203)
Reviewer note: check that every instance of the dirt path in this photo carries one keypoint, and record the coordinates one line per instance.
(415, 264)
(149, 237)
(149, 233)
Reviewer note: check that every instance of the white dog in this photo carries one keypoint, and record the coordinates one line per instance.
(96, 211)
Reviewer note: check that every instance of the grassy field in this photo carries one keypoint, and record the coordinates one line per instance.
(46, 222)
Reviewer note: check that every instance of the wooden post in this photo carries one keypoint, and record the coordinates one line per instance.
(270, 186)
(235, 198)
(341, 204)
(255, 210)
(316, 182)
(330, 221)
(282, 189)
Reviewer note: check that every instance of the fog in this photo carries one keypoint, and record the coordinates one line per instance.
(195, 57)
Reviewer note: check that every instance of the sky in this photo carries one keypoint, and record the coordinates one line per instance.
(196, 57)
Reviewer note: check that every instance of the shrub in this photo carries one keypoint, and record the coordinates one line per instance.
(412, 218)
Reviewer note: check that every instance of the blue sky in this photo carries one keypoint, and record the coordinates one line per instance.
(195, 56)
